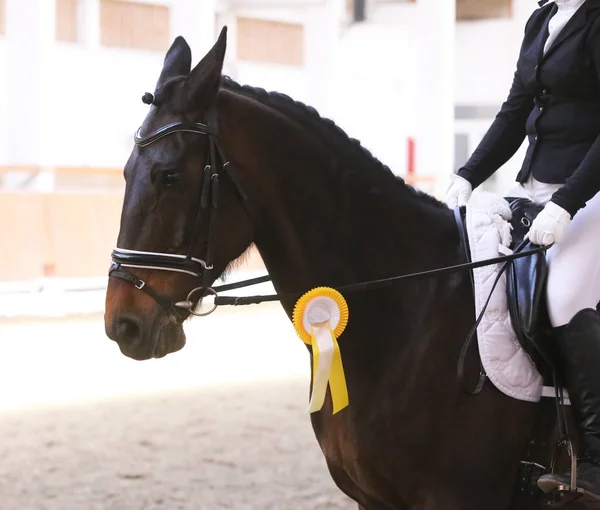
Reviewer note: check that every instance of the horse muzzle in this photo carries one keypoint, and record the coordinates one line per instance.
(141, 339)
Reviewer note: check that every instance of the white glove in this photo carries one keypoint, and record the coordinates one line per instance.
(549, 226)
(459, 192)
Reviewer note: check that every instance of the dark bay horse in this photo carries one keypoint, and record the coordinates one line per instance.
(322, 211)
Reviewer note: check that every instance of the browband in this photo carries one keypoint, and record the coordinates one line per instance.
(165, 261)
(196, 127)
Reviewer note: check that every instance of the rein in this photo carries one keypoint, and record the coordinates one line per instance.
(368, 285)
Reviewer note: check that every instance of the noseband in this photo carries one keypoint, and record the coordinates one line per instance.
(125, 258)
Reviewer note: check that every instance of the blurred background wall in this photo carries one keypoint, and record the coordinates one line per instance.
(417, 81)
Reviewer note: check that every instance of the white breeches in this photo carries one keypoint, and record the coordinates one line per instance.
(574, 263)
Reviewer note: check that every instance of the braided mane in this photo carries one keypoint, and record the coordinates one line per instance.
(289, 106)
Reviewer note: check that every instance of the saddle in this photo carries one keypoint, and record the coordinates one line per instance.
(526, 279)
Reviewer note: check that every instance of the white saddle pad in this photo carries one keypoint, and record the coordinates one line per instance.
(507, 365)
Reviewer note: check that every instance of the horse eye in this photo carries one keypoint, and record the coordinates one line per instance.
(170, 178)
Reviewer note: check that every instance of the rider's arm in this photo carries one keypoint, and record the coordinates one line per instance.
(503, 138)
(584, 183)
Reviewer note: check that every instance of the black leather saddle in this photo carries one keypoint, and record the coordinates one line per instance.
(526, 279)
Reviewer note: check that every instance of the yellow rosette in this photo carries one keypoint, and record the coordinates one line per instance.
(320, 317)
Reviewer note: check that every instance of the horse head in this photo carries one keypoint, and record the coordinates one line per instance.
(174, 238)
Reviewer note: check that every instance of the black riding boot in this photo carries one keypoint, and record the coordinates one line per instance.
(579, 346)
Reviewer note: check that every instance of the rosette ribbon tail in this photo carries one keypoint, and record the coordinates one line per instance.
(327, 369)
(320, 317)
(337, 379)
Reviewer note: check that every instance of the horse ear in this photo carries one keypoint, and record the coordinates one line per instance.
(178, 61)
(203, 82)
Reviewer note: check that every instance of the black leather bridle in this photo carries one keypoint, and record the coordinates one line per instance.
(126, 258)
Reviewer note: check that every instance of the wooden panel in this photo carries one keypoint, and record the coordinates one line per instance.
(134, 25)
(64, 235)
(67, 20)
(2, 16)
(270, 41)
(483, 9)
(82, 230)
(86, 170)
(23, 239)
(67, 178)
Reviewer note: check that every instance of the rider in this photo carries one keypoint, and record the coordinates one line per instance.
(554, 101)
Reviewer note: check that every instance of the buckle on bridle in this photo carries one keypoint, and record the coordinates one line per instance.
(140, 284)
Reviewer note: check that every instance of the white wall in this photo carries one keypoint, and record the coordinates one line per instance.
(97, 115)
(486, 53)
(91, 94)
(375, 87)
(395, 83)
(367, 77)
(93, 114)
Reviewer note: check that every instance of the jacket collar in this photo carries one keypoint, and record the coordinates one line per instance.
(574, 25)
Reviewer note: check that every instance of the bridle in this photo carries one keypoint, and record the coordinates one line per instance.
(201, 268)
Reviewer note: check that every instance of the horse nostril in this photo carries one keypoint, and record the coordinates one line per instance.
(127, 330)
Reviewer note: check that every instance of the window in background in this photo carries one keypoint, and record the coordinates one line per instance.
(66, 21)
(270, 42)
(483, 9)
(134, 25)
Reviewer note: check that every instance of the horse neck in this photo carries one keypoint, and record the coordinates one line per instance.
(324, 212)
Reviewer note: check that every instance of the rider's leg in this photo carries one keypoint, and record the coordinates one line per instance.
(573, 293)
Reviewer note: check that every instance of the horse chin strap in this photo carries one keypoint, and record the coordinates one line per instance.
(201, 268)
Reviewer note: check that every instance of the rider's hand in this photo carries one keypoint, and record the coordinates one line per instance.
(549, 226)
(458, 193)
